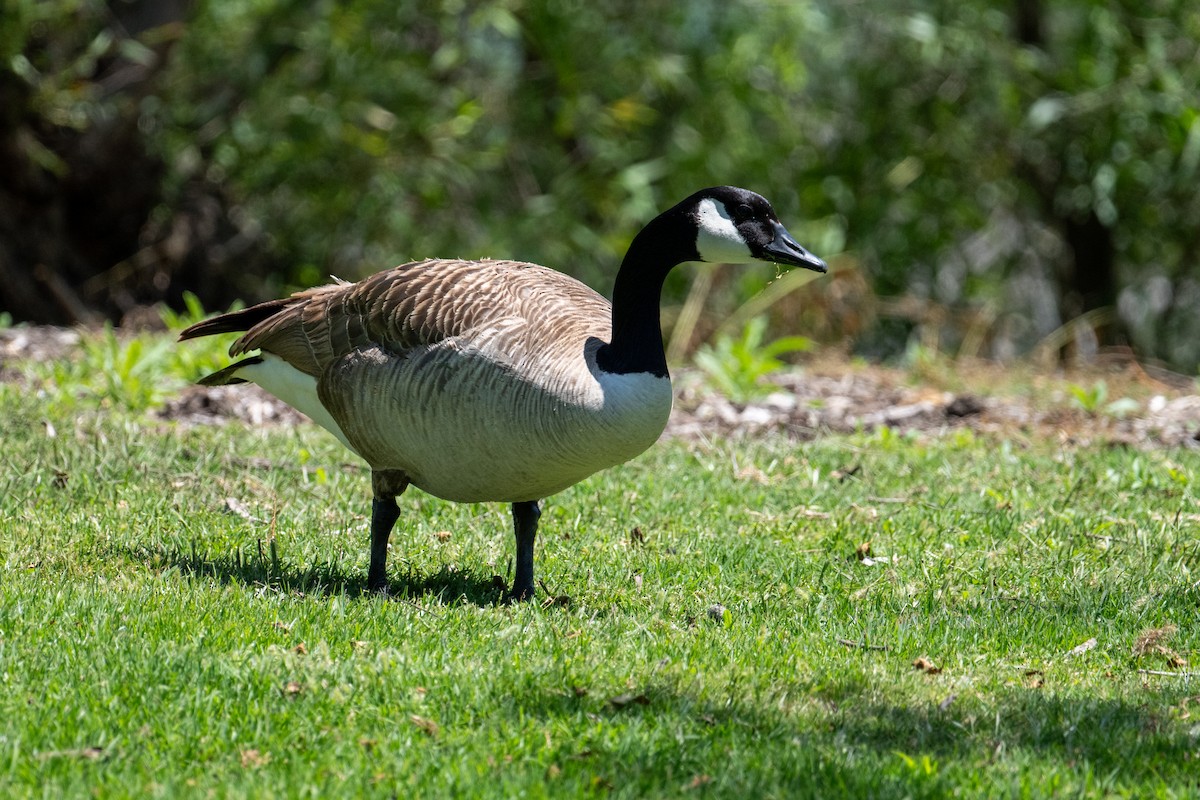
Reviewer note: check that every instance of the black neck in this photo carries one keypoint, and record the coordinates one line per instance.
(637, 344)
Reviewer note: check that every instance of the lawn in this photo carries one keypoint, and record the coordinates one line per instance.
(182, 613)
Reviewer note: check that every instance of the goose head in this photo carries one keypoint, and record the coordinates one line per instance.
(737, 226)
(722, 224)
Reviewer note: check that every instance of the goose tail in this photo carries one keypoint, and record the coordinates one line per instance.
(236, 321)
(229, 375)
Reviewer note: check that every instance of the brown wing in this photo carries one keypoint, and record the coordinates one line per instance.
(409, 307)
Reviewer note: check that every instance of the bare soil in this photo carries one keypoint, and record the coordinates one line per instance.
(827, 395)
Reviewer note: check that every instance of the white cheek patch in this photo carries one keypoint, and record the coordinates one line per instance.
(718, 240)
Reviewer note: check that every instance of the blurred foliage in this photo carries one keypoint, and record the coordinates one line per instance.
(738, 366)
(369, 132)
(1029, 162)
(123, 369)
(135, 372)
(88, 228)
(1018, 155)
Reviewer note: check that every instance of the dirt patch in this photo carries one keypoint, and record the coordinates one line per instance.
(245, 402)
(825, 397)
(37, 343)
(810, 404)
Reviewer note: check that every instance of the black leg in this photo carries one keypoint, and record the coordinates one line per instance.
(387, 485)
(525, 521)
(383, 517)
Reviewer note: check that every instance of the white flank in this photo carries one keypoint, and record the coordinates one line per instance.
(634, 412)
(472, 430)
(717, 238)
(296, 388)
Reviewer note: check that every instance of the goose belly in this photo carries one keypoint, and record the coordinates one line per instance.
(473, 432)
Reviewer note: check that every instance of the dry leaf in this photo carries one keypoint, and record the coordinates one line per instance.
(300, 649)
(863, 644)
(1035, 678)
(624, 700)
(753, 473)
(869, 512)
(1152, 639)
(281, 626)
(809, 512)
(697, 782)
(442, 536)
(844, 474)
(859, 594)
(563, 600)
(86, 753)
(252, 759)
(235, 506)
(429, 726)
(1079, 650)
(866, 557)
(292, 689)
(1181, 711)
(926, 666)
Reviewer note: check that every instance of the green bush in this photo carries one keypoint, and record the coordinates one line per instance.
(1036, 159)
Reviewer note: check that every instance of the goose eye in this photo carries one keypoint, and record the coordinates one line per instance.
(744, 211)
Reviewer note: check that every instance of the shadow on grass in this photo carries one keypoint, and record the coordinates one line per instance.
(1013, 739)
(446, 586)
(1136, 738)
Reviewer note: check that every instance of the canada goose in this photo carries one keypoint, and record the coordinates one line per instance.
(492, 380)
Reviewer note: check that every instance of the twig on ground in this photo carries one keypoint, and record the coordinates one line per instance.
(420, 607)
(861, 645)
(553, 599)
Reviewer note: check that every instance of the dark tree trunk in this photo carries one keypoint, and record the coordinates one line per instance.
(1090, 281)
(80, 238)
(1027, 22)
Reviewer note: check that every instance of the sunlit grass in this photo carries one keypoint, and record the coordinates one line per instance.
(182, 612)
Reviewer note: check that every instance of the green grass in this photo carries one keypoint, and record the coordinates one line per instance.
(152, 643)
